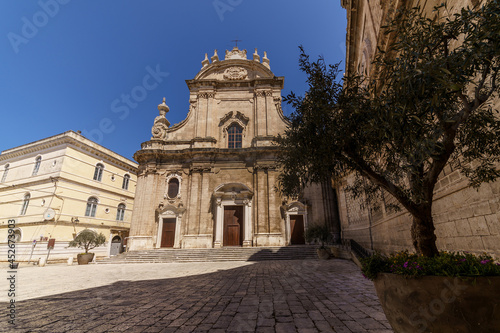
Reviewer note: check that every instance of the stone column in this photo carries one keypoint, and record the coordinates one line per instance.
(262, 204)
(209, 116)
(194, 213)
(269, 111)
(219, 223)
(260, 119)
(247, 240)
(142, 227)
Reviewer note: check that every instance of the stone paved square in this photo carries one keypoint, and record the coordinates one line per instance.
(268, 296)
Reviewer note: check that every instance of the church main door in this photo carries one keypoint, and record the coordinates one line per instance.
(168, 233)
(297, 229)
(233, 225)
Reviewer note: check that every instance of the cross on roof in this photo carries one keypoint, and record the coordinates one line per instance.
(236, 41)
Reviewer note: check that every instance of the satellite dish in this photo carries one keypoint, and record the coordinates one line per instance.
(49, 214)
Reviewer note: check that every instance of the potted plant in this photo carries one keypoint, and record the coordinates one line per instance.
(87, 240)
(445, 293)
(319, 233)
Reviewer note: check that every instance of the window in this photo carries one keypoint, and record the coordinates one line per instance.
(17, 235)
(173, 188)
(91, 207)
(98, 171)
(120, 212)
(38, 161)
(234, 136)
(126, 179)
(5, 172)
(26, 202)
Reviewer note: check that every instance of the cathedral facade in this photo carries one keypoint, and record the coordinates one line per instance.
(209, 181)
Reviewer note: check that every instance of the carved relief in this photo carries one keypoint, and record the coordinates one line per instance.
(235, 73)
(277, 103)
(206, 95)
(159, 130)
(235, 53)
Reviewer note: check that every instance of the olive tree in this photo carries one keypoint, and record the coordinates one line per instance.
(88, 239)
(429, 101)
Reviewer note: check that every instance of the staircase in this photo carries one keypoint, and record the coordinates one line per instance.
(213, 255)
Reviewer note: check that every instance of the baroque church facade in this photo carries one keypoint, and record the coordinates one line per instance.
(209, 181)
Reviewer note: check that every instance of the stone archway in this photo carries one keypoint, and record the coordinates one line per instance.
(169, 226)
(116, 245)
(233, 215)
(296, 223)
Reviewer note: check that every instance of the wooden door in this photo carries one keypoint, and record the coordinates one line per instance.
(297, 229)
(168, 233)
(233, 225)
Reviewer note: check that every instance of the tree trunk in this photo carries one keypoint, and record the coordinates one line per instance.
(422, 233)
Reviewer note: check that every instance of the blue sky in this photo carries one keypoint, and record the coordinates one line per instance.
(70, 64)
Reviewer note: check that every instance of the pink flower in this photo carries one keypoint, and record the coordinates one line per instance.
(484, 262)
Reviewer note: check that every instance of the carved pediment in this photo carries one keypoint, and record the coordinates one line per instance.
(231, 118)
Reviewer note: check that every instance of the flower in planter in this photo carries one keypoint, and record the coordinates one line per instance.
(445, 264)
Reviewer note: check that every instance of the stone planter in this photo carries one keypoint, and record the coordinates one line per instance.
(440, 304)
(323, 253)
(84, 258)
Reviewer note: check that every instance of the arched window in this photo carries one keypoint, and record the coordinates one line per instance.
(234, 136)
(173, 187)
(26, 202)
(38, 161)
(98, 172)
(5, 172)
(126, 179)
(91, 207)
(120, 212)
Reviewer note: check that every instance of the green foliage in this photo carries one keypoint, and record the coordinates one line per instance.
(445, 264)
(427, 103)
(88, 239)
(318, 233)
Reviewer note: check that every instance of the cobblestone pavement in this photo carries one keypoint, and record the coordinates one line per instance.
(269, 296)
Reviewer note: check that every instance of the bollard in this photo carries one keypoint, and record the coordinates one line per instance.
(70, 261)
(41, 262)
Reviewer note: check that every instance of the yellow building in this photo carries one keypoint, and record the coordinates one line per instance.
(56, 187)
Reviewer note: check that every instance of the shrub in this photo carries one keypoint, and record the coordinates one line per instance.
(317, 233)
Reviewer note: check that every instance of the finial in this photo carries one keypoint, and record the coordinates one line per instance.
(163, 108)
(256, 56)
(265, 60)
(215, 57)
(236, 43)
(205, 61)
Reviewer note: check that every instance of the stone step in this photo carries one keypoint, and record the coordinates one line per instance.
(213, 255)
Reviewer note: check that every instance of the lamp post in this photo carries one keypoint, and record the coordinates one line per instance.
(74, 220)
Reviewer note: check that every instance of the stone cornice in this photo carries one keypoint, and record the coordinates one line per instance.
(145, 156)
(70, 138)
(276, 81)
